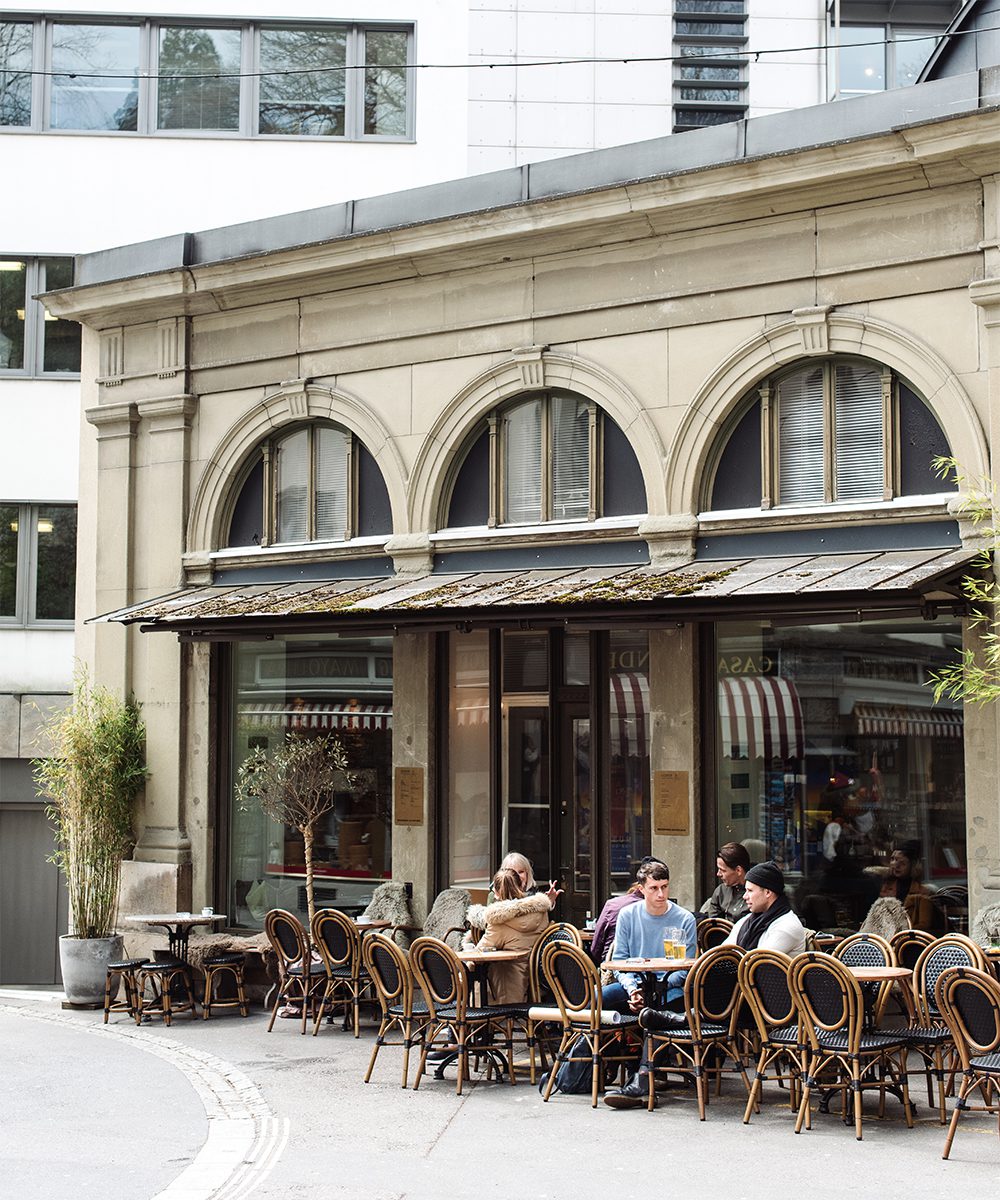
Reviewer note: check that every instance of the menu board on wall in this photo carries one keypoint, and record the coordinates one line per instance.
(408, 796)
(671, 812)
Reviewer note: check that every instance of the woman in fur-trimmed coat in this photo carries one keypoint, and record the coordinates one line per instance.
(514, 921)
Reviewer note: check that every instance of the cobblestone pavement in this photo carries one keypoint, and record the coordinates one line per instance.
(221, 1109)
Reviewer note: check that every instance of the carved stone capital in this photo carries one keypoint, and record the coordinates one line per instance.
(530, 361)
(167, 414)
(813, 328)
(113, 420)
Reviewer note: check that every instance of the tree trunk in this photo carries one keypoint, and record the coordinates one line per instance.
(307, 838)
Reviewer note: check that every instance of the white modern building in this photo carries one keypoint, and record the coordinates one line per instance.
(121, 124)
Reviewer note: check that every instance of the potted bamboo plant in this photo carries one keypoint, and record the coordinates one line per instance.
(96, 769)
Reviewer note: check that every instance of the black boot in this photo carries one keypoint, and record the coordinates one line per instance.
(655, 1020)
(635, 1093)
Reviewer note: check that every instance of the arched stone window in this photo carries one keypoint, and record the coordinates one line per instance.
(311, 483)
(822, 432)
(545, 456)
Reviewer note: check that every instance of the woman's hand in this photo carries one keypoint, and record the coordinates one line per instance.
(554, 892)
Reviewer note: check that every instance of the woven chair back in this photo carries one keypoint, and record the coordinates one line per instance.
(389, 968)
(713, 931)
(970, 1004)
(572, 976)
(712, 986)
(763, 978)
(288, 938)
(439, 972)
(559, 931)
(828, 998)
(865, 950)
(908, 944)
(336, 938)
(952, 950)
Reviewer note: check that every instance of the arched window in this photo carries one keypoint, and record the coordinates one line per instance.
(316, 483)
(548, 456)
(837, 430)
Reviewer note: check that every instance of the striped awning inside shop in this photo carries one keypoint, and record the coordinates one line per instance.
(629, 721)
(760, 717)
(311, 715)
(472, 714)
(900, 720)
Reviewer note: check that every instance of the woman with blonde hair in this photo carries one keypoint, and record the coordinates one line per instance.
(521, 866)
(514, 921)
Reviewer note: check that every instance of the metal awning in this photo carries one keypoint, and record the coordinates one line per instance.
(760, 717)
(312, 715)
(903, 720)
(848, 585)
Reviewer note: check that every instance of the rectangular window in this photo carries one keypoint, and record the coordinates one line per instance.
(523, 450)
(699, 101)
(292, 487)
(15, 76)
(570, 458)
(32, 342)
(37, 563)
(858, 432)
(801, 454)
(151, 75)
(872, 58)
(468, 759)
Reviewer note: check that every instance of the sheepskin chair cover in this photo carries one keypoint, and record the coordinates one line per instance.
(448, 912)
(885, 917)
(986, 925)
(390, 902)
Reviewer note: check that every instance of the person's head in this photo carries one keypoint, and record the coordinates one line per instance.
(764, 884)
(731, 864)
(507, 884)
(654, 879)
(517, 862)
(903, 862)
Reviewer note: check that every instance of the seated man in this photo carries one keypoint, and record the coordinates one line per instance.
(640, 934)
(607, 921)
(770, 923)
(727, 900)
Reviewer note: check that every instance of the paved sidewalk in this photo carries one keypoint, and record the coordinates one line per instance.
(300, 1121)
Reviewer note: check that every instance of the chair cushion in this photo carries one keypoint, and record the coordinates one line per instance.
(987, 1062)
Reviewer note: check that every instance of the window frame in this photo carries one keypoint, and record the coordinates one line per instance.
(26, 571)
(893, 33)
(722, 44)
(147, 67)
(498, 460)
(269, 450)
(34, 319)
(768, 393)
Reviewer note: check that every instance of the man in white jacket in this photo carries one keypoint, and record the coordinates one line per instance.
(770, 923)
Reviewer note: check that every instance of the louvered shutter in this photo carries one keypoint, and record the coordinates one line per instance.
(331, 484)
(292, 470)
(523, 459)
(800, 437)
(570, 458)
(859, 438)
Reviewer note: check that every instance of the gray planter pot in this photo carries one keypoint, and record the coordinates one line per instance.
(84, 963)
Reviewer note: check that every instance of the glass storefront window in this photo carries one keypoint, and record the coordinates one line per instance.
(834, 761)
(468, 759)
(628, 714)
(314, 686)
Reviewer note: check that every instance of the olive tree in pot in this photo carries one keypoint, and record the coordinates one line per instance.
(96, 769)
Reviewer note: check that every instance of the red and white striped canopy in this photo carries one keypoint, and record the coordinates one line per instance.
(900, 720)
(760, 717)
(629, 719)
(311, 715)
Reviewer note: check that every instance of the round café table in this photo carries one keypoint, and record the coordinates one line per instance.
(178, 926)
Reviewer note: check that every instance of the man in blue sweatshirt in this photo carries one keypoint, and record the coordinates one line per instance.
(640, 934)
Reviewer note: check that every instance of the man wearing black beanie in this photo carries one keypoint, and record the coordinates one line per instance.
(770, 923)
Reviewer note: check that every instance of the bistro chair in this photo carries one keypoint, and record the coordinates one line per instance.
(868, 950)
(841, 1054)
(403, 1009)
(300, 979)
(158, 983)
(122, 977)
(763, 980)
(928, 1034)
(336, 938)
(443, 979)
(588, 1033)
(219, 967)
(969, 1000)
(712, 1000)
(712, 932)
(908, 944)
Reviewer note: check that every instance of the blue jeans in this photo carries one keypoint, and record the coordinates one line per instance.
(615, 998)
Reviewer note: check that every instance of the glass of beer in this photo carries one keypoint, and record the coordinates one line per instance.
(668, 944)
(679, 944)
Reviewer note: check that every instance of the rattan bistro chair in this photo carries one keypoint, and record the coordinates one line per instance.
(868, 950)
(608, 1038)
(969, 1000)
(712, 932)
(122, 977)
(336, 938)
(840, 1053)
(908, 944)
(299, 978)
(403, 1009)
(763, 979)
(712, 1000)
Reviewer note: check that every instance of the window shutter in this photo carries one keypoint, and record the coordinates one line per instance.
(331, 484)
(858, 433)
(570, 458)
(523, 460)
(800, 438)
(293, 487)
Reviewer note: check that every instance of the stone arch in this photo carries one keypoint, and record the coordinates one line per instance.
(528, 370)
(292, 403)
(810, 333)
